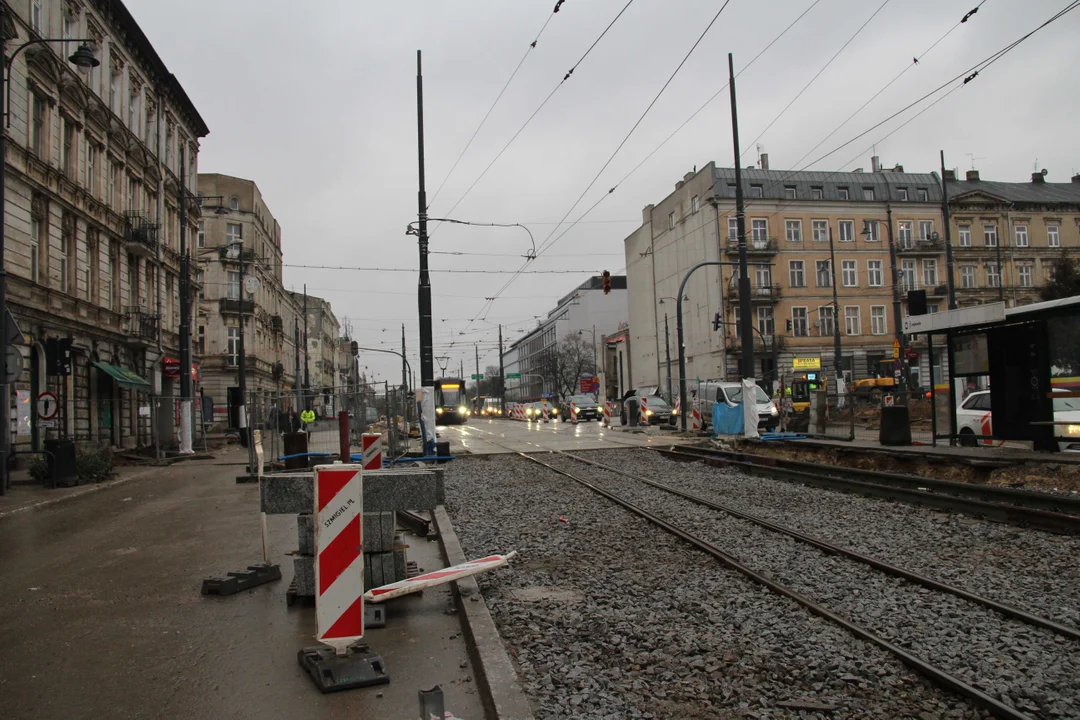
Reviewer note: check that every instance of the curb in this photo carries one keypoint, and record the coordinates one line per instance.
(502, 694)
(84, 490)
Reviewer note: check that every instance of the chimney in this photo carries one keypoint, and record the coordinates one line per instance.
(1038, 177)
(687, 176)
(950, 174)
(875, 164)
(972, 175)
(764, 161)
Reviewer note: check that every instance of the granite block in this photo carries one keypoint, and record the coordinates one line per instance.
(378, 532)
(384, 491)
(304, 574)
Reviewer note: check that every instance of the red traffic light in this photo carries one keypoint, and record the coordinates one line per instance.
(606, 281)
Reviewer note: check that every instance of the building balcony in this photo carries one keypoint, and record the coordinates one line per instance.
(234, 306)
(758, 293)
(140, 327)
(248, 254)
(733, 343)
(932, 245)
(754, 246)
(979, 249)
(277, 324)
(140, 235)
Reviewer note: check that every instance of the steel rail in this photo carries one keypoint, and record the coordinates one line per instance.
(833, 478)
(831, 548)
(935, 674)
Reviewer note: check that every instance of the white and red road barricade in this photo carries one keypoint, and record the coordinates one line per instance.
(573, 413)
(695, 424)
(436, 577)
(678, 406)
(544, 410)
(372, 451)
(339, 561)
(643, 419)
(608, 408)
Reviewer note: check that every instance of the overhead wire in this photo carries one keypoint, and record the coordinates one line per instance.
(437, 270)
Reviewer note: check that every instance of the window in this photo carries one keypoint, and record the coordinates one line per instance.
(200, 343)
(37, 125)
(233, 232)
(789, 192)
(794, 230)
(760, 232)
(826, 317)
(820, 229)
(965, 236)
(670, 218)
(923, 195)
(68, 32)
(908, 279)
(873, 273)
(36, 16)
(35, 248)
(763, 276)
(731, 191)
(871, 231)
(93, 266)
(65, 266)
(850, 276)
(168, 146)
(926, 229)
(990, 235)
(201, 237)
(91, 169)
(114, 182)
(150, 138)
(234, 346)
(868, 193)
(823, 273)
(115, 79)
(67, 149)
(815, 193)
(1021, 236)
(847, 230)
(799, 324)
(903, 234)
(1052, 237)
(929, 273)
(903, 194)
(796, 273)
(878, 325)
(967, 276)
(733, 228)
(844, 195)
(232, 285)
(755, 191)
(694, 204)
(1024, 275)
(765, 323)
(735, 321)
(133, 194)
(852, 322)
(993, 276)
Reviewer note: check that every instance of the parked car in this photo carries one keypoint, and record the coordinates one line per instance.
(973, 420)
(657, 410)
(731, 393)
(587, 408)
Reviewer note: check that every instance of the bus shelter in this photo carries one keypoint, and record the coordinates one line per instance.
(1030, 358)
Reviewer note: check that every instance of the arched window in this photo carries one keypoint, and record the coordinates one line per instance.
(234, 203)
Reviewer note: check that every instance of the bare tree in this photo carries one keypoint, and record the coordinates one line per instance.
(565, 363)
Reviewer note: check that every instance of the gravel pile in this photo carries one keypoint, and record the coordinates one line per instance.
(609, 617)
(1032, 669)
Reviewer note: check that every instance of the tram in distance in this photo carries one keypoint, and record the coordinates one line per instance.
(450, 404)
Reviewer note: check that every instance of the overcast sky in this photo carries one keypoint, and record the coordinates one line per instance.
(315, 102)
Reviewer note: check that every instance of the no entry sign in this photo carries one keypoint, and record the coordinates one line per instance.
(339, 565)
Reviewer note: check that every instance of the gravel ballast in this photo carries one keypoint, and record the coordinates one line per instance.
(607, 616)
(1030, 668)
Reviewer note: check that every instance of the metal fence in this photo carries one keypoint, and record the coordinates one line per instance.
(855, 417)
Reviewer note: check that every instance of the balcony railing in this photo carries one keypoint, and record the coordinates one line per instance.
(248, 253)
(140, 234)
(277, 324)
(925, 246)
(235, 306)
(141, 326)
(754, 246)
(758, 293)
(762, 343)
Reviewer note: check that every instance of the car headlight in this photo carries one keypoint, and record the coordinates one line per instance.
(577, 410)
(675, 411)
(554, 411)
(773, 410)
(648, 412)
(438, 411)
(528, 411)
(1072, 429)
(462, 409)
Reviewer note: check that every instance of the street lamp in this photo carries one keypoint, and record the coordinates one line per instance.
(667, 343)
(84, 59)
(242, 368)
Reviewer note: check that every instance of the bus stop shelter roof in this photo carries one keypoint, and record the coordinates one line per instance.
(981, 317)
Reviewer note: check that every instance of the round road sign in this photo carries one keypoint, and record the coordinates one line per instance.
(47, 406)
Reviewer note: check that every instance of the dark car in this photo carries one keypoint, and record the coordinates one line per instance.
(658, 412)
(587, 407)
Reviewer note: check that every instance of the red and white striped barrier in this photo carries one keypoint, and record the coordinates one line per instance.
(371, 451)
(339, 561)
(643, 419)
(544, 410)
(695, 421)
(436, 577)
(573, 413)
(678, 405)
(608, 408)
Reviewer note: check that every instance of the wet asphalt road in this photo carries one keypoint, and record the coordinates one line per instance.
(101, 615)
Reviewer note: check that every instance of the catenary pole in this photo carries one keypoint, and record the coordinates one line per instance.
(951, 287)
(502, 376)
(681, 341)
(897, 319)
(837, 353)
(747, 334)
(427, 356)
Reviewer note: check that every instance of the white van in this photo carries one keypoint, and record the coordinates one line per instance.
(730, 393)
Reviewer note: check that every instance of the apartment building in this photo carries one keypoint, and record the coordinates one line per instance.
(1006, 236)
(323, 330)
(795, 223)
(237, 228)
(92, 185)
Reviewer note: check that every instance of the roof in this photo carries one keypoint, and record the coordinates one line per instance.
(596, 282)
(774, 183)
(1023, 192)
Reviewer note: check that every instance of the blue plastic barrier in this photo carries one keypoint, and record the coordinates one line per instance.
(727, 420)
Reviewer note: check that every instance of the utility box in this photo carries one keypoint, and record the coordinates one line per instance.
(895, 426)
(60, 460)
(295, 444)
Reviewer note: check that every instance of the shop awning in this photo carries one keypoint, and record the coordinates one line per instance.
(125, 378)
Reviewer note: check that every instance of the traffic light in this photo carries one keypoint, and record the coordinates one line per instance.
(354, 348)
(606, 278)
(716, 323)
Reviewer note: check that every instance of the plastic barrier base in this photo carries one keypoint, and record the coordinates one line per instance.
(254, 576)
(359, 667)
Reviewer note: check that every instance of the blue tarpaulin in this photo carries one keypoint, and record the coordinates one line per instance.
(727, 420)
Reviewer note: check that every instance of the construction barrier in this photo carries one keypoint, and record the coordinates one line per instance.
(437, 577)
(544, 410)
(607, 413)
(643, 418)
(339, 563)
(372, 451)
(695, 424)
(573, 413)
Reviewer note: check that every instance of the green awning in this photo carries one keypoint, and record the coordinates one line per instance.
(125, 378)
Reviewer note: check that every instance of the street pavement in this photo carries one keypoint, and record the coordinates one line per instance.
(491, 435)
(101, 614)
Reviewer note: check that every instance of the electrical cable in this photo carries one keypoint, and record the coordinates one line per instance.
(440, 270)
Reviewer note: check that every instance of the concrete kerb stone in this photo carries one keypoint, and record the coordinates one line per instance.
(496, 677)
(384, 491)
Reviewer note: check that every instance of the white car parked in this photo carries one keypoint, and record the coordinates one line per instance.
(973, 420)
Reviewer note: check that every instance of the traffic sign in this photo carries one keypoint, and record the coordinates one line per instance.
(513, 376)
(895, 348)
(47, 406)
(14, 365)
(479, 376)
